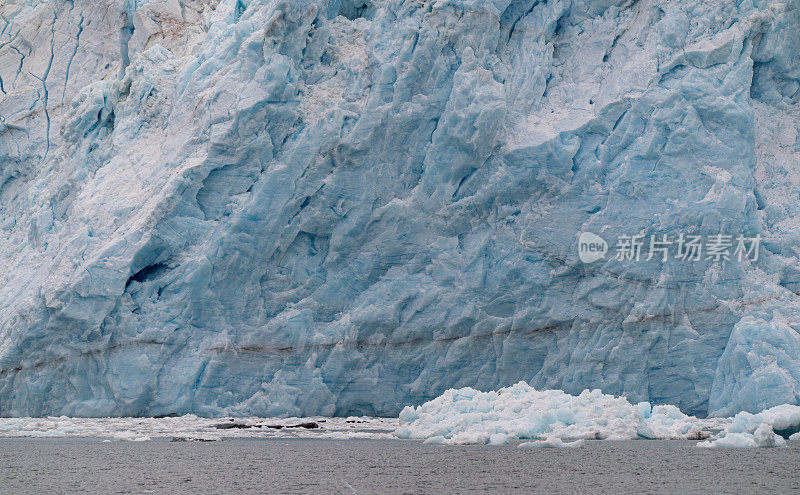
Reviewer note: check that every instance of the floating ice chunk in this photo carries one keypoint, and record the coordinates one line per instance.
(353, 435)
(468, 416)
(552, 442)
(765, 429)
(734, 440)
(498, 439)
(764, 436)
(130, 436)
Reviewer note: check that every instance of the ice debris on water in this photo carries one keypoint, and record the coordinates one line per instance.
(769, 428)
(469, 416)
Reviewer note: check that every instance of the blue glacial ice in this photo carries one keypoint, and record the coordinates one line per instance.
(301, 207)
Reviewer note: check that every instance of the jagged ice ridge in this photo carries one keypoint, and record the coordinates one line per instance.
(263, 207)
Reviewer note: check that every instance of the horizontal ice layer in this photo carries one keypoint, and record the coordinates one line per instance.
(468, 416)
(259, 207)
(193, 428)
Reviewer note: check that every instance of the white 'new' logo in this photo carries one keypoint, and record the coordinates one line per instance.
(591, 247)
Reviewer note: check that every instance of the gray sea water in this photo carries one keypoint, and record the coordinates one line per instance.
(39, 466)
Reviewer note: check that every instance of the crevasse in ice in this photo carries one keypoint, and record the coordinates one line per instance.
(296, 207)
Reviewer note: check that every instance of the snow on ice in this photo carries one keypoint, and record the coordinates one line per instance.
(468, 416)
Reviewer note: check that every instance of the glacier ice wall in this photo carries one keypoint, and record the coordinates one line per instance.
(346, 206)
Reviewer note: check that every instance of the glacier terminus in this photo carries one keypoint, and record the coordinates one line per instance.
(346, 207)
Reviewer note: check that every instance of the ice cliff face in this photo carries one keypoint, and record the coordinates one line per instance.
(347, 206)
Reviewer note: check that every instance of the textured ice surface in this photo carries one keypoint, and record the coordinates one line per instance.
(468, 416)
(765, 429)
(262, 207)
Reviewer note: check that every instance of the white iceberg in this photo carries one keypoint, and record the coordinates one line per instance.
(469, 416)
(765, 429)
